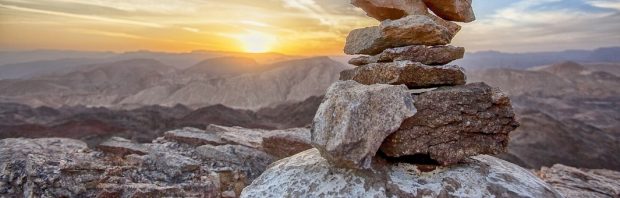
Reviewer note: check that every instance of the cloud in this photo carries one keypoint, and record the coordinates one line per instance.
(80, 16)
(610, 4)
(542, 25)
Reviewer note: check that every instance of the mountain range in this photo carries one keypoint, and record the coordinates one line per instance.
(236, 82)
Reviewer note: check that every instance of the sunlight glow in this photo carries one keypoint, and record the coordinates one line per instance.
(257, 42)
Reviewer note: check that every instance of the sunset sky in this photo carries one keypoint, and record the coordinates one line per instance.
(300, 27)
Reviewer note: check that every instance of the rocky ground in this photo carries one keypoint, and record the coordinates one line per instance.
(222, 161)
(216, 162)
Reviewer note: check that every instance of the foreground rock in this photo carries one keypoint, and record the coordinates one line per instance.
(574, 182)
(391, 9)
(413, 75)
(428, 55)
(307, 174)
(454, 123)
(411, 30)
(452, 10)
(168, 167)
(354, 119)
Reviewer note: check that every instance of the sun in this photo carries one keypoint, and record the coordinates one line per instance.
(257, 42)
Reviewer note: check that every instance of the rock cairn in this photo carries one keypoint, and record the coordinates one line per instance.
(403, 100)
(404, 124)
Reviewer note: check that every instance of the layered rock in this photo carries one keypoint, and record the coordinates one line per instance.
(410, 30)
(391, 9)
(452, 10)
(347, 128)
(428, 55)
(574, 182)
(454, 123)
(413, 75)
(308, 174)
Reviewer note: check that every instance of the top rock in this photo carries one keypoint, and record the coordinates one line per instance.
(391, 9)
(451, 10)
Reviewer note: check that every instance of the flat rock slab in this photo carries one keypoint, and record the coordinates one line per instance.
(428, 55)
(308, 174)
(410, 30)
(454, 123)
(122, 146)
(193, 136)
(354, 119)
(413, 75)
(452, 10)
(391, 9)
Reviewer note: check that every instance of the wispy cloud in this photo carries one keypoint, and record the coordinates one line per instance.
(87, 17)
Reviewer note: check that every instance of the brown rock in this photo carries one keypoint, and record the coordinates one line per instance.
(453, 123)
(122, 146)
(391, 9)
(414, 75)
(411, 30)
(452, 10)
(429, 55)
(283, 145)
(354, 119)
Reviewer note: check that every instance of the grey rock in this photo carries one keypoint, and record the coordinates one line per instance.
(391, 9)
(308, 174)
(413, 75)
(354, 119)
(410, 30)
(454, 123)
(452, 10)
(238, 157)
(428, 55)
(574, 182)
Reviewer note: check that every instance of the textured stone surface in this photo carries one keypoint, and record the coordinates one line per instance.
(391, 9)
(307, 174)
(413, 75)
(574, 182)
(452, 10)
(410, 30)
(453, 123)
(428, 55)
(354, 119)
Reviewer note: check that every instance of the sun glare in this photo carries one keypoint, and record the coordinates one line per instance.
(257, 42)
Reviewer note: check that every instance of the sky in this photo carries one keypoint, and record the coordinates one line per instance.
(296, 27)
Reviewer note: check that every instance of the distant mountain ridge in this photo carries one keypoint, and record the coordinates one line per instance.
(494, 59)
(237, 82)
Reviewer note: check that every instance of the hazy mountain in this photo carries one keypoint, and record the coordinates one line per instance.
(494, 59)
(28, 64)
(569, 112)
(232, 81)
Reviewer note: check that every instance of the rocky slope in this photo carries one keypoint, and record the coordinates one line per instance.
(235, 82)
(569, 114)
(94, 125)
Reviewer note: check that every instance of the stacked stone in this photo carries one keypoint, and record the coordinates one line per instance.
(384, 105)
